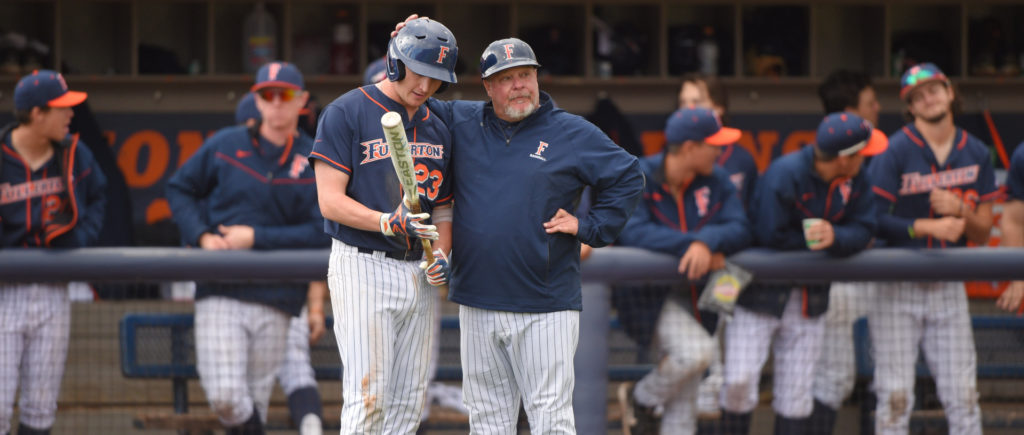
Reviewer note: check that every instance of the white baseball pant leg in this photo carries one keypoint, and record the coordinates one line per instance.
(383, 311)
(934, 316)
(35, 321)
(239, 348)
(511, 356)
(711, 385)
(296, 371)
(686, 350)
(795, 341)
(836, 371)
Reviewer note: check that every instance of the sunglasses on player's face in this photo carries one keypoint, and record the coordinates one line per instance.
(285, 94)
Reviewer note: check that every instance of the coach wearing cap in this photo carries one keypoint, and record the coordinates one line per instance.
(51, 195)
(823, 186)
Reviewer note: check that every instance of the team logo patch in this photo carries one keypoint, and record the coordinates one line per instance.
(915, 182)
(702, 197)
(539, 154)
(299, 164)
(30, 189)
(508, 51)
(441, 54)
(737, 179)
(377, 149)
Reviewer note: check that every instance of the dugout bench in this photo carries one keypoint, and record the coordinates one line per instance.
(162, 346)
(999, 341)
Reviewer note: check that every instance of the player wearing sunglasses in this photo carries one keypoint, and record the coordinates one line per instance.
(250, 187)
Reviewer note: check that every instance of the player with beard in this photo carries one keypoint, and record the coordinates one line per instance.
(935, 187)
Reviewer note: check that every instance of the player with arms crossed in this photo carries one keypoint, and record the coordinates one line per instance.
(51, 196)
(249, 188)
(823, 182)
(690, 209)
(935, 188)
(519, 167)
(382, 301)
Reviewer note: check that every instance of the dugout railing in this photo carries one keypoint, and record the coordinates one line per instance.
(606, 267)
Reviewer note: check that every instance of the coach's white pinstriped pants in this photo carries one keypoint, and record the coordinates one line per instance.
(35, 320)
(934, 316)
(836, 370)
(383, 314)
(508, 357)
(794, 340)
(239, 348)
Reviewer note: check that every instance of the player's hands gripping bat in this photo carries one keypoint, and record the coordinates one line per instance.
(401, 157)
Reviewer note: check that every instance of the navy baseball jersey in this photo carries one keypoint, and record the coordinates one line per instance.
(509, 179)
(905, 174)
(239, 178)
(1015, 175)
(791, 191)
(708, 210)
(351, 139)
(742, 170)
(36, 208)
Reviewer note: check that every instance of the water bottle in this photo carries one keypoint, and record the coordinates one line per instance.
(707, 53)
(259, 43)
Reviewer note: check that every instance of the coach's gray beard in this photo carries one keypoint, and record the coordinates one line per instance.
(519, 115)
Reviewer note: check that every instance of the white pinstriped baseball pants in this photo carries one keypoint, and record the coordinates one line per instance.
(383, 315)
(239, 349)
(296, 371)
(35, 321)
(836, 371)
(508, 357)
(934, 316)
(686, 351)
(794, 340)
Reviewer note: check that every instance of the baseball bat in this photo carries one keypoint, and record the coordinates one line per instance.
(401, 158)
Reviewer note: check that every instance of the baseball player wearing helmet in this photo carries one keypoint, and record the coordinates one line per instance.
(822, 182)
(296, 374)
(519, 167)
(935, 188)
(834, 374)
(1012, 225)
(690, 209)
(384, 305)
(249, 188)
(51, 196)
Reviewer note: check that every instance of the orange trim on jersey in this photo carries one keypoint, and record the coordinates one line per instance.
(725, 154)
(414, 134)
(70, 188)
(881, 192)
(443, 200)
(374, 101)
(287, 150)
(241, 166)
(963, 140)
(427, 115)
(912, 137)
(327, 159)
(992, 196)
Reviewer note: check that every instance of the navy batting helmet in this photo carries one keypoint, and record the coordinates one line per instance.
(427, 47)
(504, 54)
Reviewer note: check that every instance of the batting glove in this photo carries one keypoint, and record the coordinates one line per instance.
(438, 271)
(406, 223)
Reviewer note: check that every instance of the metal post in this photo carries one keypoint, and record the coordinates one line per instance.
(590, 400)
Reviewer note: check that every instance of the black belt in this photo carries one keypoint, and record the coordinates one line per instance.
(397, 255)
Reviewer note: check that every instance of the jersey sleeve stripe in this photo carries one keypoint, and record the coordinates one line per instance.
(881, 192)
(337, 165)
(444, 200)
(991, 196)
(374, 101)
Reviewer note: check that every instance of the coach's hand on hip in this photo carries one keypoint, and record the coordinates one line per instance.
(563, 222)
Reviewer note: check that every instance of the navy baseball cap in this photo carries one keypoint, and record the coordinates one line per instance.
(845, 134)
(246, 109)
(375, 71)
(278, 75)
(918, 75)
(701, 125)
(45, 88)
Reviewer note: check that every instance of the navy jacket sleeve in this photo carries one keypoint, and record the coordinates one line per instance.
(93, 207)
(854, 232)
(885, 180)
(186, 190)
(618, 185)
(774, 200)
